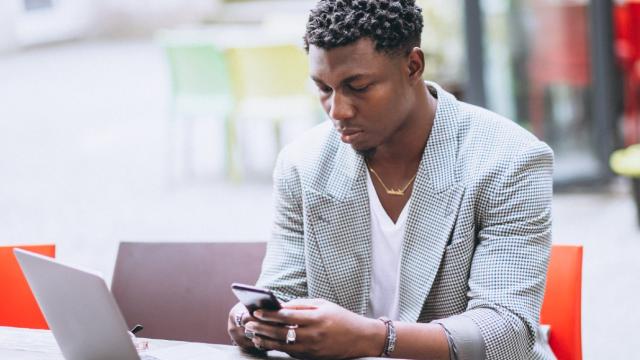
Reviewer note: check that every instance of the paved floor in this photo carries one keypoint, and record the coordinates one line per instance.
(83, 149)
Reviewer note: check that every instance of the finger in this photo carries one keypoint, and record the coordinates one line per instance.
(276, 332)
(241, 340)
(244, 343)
(303, 343)
(289, 316)
(253, 350)
(235, 332)
(240, 310)
(265, 344)
(246, 317)
(259, 344)
(238, 335)
(270, 344)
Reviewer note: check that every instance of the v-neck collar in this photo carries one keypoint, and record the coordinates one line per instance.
(339, 214)
(376, 204)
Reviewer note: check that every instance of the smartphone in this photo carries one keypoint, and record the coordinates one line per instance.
(255, 298)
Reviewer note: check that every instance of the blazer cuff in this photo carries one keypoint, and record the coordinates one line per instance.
(464, 337)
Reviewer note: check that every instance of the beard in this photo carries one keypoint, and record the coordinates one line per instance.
(367, 153)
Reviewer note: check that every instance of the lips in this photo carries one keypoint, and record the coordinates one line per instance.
(349, 132)
(349, 135)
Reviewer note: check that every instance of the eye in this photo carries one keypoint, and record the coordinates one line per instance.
(324, 89)
(359, 89)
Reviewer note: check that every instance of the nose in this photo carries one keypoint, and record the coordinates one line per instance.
(340, 108)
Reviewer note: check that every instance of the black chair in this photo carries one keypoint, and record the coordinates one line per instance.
(181, 291)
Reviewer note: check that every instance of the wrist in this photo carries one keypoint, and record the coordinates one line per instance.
(375, 336)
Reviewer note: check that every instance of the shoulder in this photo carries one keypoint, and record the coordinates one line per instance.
(490, 143)
(310, 156)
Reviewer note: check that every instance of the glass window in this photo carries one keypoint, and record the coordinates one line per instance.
(538, 73)
(443, 43)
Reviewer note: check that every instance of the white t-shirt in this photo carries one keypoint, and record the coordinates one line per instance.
(386, 248)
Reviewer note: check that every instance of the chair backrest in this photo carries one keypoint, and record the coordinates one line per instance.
(268, 71)
(181, 291)
(197, 69)
(561, 308)
(18, 306)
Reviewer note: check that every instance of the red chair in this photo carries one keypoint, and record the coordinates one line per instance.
(18, 307)
(561, 308)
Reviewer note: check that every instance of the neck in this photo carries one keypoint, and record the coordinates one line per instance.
(404, 150)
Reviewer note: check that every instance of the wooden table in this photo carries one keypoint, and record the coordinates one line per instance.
(30, 344)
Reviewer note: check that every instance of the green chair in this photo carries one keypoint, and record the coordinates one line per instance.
(270, 83)
(199, 88)
(626, 162)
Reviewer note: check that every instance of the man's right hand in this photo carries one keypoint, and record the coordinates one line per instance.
(237, 332)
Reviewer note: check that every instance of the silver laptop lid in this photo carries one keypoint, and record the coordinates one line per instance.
(79, 308)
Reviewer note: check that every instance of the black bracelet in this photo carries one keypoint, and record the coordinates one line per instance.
(390, 341)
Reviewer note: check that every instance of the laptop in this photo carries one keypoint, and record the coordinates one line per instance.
(85, 319)
(79, 308)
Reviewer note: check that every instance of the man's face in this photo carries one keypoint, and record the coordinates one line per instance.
(366, 94)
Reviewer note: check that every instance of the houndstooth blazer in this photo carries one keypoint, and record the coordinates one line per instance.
(478, 233)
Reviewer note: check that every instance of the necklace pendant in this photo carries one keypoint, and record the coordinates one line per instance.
(395, 192)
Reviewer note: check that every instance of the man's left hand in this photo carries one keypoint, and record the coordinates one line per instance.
(325, 330)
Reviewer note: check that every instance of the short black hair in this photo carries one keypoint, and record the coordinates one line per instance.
(393, 25)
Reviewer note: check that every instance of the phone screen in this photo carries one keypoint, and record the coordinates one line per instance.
(255, 298)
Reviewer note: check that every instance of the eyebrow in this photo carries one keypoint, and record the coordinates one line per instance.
(344, 81)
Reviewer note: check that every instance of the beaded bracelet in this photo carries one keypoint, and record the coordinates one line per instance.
(390, 341)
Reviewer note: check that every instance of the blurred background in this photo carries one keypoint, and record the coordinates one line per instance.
(161, 120)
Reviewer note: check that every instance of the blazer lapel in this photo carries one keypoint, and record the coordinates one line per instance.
(340, 220)
(340, 224)
(435, 200)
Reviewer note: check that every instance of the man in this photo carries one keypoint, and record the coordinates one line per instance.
(412, 225)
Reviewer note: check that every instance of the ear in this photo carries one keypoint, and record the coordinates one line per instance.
(415, 65)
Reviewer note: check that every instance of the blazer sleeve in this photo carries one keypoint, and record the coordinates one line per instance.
(283, 268)
(509, 266)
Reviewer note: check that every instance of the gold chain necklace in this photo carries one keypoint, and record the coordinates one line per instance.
(395, 192)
